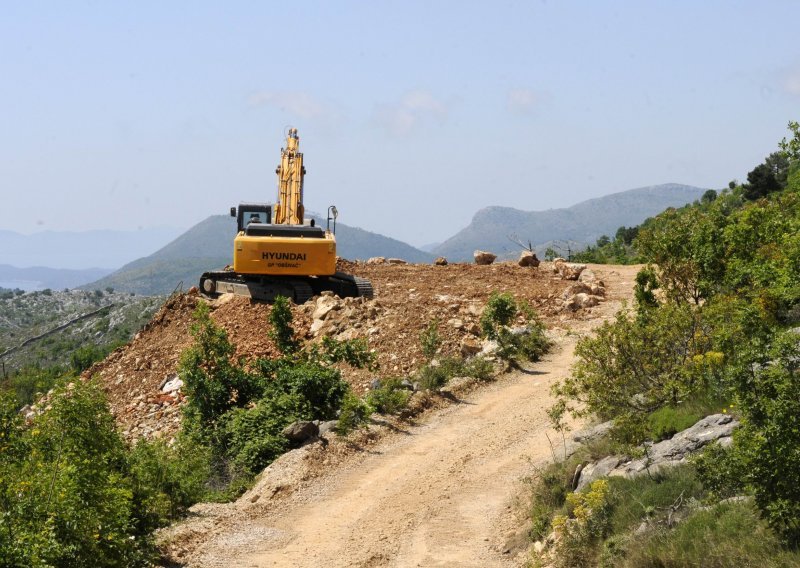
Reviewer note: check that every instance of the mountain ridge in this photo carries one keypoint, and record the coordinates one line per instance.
(493, 227)
(208, 245)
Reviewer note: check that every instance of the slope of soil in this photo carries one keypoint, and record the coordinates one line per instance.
(407, 298)
(435, 493)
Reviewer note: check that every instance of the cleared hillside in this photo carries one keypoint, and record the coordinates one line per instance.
(581, 224)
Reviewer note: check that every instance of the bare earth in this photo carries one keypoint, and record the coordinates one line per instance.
(440, 492)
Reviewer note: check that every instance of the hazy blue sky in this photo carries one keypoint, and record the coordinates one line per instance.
(412, 115)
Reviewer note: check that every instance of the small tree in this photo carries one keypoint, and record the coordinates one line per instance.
(282, 332)
(430, 339)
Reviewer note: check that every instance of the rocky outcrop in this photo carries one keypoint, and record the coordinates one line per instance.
(715, 428)
(440, 261)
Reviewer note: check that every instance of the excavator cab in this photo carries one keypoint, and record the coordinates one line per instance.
(248, 213)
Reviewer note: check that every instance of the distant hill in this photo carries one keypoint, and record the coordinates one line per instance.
(77, 250)
(39, 278)
(209, 246)
(579, 225)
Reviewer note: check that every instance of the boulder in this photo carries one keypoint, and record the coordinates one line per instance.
(324, 305)
(587, 276)
(396, 261)
(597, 470)
(483, 257)
(528, 258)
(173, 384)
(568, 270)
(440, 261)
(316, 326)
(580, 301)
(376, 260)
(470, 346)
(455, 323)
(301, 431)
(577, 288)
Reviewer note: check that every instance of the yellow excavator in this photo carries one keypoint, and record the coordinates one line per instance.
(287, 255)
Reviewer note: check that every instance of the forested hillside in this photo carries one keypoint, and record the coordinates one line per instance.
(714, 331)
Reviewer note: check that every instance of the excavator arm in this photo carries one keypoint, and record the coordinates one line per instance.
(289, 208)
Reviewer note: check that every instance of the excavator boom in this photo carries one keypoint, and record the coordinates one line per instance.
(289, 209)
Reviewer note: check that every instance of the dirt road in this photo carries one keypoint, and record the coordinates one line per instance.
(440, 493)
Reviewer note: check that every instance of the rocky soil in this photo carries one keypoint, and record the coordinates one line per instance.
(436, 490)
(141, 379)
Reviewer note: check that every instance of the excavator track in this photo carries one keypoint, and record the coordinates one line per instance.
(298, 289)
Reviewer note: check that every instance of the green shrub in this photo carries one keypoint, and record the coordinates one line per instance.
(84, 357)
(500, 311)
(528, 343)
(212, 382)
(354, 352)
(721, 471)
(769, 401)
(390, 398)
(29, 381)
(354, 413)
(281, 331)
(320, 389)
(253, 435)
(167, 480)
(430, 339)
(532, 344)
(634, 366)
(478, 368)
(65, 492)
(588, 523)
(434, 377)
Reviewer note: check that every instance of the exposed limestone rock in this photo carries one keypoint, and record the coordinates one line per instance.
(714, 428)
(325, 304)
(440, 261)
(568, 270)
(396, 261)
(377, 260)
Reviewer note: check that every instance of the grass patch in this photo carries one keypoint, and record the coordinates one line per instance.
(667, 421)
(640, 498)
(727, 535)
